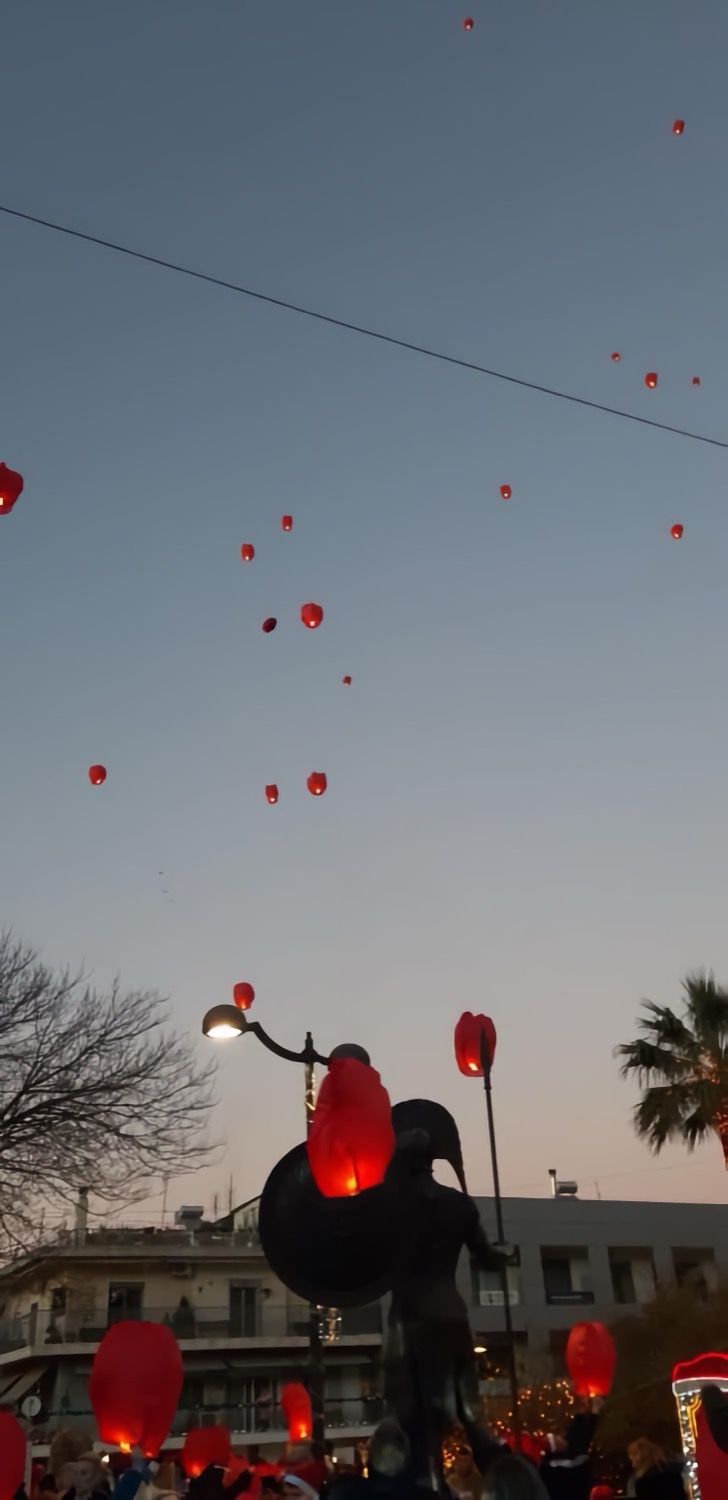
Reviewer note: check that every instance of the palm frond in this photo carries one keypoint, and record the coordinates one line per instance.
(649, 1060)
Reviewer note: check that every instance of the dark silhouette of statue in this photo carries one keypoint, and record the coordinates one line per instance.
(431, 1374)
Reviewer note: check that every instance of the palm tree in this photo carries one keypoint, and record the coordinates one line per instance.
(681, 1064)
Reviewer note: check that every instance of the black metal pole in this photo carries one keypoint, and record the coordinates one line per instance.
(512, 1372)
(316, 1373)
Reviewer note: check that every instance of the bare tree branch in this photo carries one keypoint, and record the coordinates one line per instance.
(95, 1091)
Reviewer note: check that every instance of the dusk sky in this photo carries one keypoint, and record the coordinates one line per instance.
(527, 802)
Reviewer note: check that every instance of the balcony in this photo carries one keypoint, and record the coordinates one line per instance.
(570, 1299)
(350, 1416)
(46, 1331)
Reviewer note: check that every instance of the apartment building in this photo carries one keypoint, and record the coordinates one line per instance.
(242, 1334)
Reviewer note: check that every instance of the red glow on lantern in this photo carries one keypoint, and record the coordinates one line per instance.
(269, 624)
(590, 1359)
(469, 1031)
(271, 793)
(317, 783)
(135, 1384)
(97, 775)
(351, 1138)
(506, 492)
(651, 380)
(346, 681)
(678, 127)
(312, 615)
(11, 486)
(295, 1404)
(247, 551)
(602, 1492)
(12, 1455)
(468, 23)
(204, 1446)
(287, 523)
(243, 996)
(696, 380)
(676, 531)
(616, 357)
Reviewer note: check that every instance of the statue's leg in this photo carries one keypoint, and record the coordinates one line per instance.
(484, 1446)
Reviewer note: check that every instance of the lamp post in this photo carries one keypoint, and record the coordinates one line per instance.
(224, 1022)
(474, 1051)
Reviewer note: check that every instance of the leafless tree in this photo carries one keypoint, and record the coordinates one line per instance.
(96, 1092)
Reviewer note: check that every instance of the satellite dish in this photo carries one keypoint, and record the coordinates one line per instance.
(31, 1407)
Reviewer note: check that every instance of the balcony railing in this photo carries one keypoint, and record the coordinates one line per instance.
(46, 1329)
(349, 1413)
(569, 1299)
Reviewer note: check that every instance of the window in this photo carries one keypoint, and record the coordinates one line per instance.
(633, 1274)
(566, 1276)
(126, 1300)
(487, 1286)
(697, 1271)
(623, 1281)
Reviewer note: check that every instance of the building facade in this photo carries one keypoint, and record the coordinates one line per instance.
(243, 1335)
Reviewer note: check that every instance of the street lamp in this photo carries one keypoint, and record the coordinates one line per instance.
(221, 1024)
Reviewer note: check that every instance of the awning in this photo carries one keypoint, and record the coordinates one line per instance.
(21, 1384)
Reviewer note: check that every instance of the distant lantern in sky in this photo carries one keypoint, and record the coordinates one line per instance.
(97, 775)
(287, 523)
(616, 357)
(247, 551)
(269, 624)
(243, 996)
(651, 380)
(468, 23)
(317, 783)
(696, 380)
(676, 531)
(311, 615)
(11, 486)
(678, 127)
(506, 492)
(271, 793)
(346, 681)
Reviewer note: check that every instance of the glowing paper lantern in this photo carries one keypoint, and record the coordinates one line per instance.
(651, 380)
(590, 1359)
(506, 492)
(269, 624)
(469, 1033)
(97, 775)
(12, 1455)
(351, 1138)
(696, 380)
(468, 23)
(243, 996)
(11, 486)
(678, 127)
(676, 531)
(247, 551)
(616, 357)
(287, 523)
(346, 681)
(204, 1446)
(311, 615)
(317, 783)
(271, 793)
(602, 1492)
(135, 1384)
(295, 1403)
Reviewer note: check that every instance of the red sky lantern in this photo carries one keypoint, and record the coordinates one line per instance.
(97, 775)
(204, 1446)
(271, 793)
(651, 380)
(351, 1138)
(269, 624)
(243, 996)
(287, 523)
(506, 492)
(676, 531)
(346, 681)
(295, 1404)
(135, 1384)
(696, 380)
(616, 357)
(468, 1033)
(11, 486)
(678, 127)
(12, 1455)
(247, 551)
(468, 23)
(317, 783)
(590, 1359)
(312, 615)
(602, 1492)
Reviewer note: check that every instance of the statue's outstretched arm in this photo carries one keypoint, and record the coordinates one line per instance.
(490, 1257)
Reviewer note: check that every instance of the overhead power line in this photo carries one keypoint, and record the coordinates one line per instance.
(369, 333)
